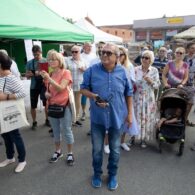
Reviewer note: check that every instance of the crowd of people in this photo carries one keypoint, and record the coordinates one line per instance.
(123, 98)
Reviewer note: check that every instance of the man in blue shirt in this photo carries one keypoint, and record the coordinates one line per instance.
(110, 93)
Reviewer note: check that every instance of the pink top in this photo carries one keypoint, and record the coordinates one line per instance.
(59, 97)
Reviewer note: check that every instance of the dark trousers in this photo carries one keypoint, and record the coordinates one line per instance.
(11, 138)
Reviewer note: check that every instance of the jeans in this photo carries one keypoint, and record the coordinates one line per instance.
(97, 137)
(63, 124)
(14, 137)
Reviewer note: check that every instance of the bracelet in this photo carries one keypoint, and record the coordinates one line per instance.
(7, 96)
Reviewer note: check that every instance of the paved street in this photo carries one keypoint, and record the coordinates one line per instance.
(141, 172)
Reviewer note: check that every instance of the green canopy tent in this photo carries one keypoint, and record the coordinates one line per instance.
(30, 19)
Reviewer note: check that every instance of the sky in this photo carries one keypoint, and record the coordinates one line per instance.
(118, 12)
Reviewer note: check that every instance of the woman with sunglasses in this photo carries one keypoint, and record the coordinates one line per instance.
(133, 130)
(175, 75)
(146, 81)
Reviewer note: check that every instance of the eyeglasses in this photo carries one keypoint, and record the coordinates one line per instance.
(108, 53)
(122, 54)
(162, 50)
(74, 51)
(146, 58)
(52, 60)
(177, 52)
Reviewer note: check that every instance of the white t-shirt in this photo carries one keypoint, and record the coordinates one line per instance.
(87, 58)
(14, 69)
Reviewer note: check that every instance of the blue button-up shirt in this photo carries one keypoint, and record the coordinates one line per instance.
(111, 86)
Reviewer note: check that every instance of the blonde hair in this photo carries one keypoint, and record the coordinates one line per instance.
(182, 49)
(126, 62)
(56, 55)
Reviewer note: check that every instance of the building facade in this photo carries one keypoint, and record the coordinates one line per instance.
(123, 31)
(161, 28)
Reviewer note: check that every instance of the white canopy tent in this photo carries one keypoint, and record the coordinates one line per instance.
(187, 34)
(99, 35)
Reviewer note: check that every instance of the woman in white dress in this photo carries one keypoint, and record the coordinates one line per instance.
(146, 81)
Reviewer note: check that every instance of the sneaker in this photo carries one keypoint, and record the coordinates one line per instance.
(70, 160)
(34, 125)
(143, 144)
(131, 141)
(96, 182)
(20, 167)
(55, 157)
(125, 147)
(83, 116)
(106, 149)
(112, 183)
(7, 162)
(47, 123)
(77, 123)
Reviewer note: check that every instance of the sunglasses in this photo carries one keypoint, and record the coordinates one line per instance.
(74, 51)
(108, 53)
(146, 58)
(122, 54)
(177, 52)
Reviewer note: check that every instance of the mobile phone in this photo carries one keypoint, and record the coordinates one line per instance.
(99, 100)
(44, 66)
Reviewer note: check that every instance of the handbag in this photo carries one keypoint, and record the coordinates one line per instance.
(12, 115)
(56, 111)
(72, 103)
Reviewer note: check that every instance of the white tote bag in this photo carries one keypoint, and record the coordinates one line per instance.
(72, 104)
(12, 115)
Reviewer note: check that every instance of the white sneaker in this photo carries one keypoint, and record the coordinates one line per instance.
(20, 167)
(106, 149)
(125, 147)
(7, 162)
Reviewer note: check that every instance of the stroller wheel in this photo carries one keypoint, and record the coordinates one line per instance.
(181, 148)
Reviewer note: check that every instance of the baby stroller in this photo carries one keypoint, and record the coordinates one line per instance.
(170, 100)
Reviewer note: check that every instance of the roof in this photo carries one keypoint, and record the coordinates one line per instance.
(30, 19)
(122, 26)
(187, 34)
(99, 35)
(165, 22)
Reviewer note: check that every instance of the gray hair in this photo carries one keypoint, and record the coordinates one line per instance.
(116, 48)
(150, 54)
(4, 51)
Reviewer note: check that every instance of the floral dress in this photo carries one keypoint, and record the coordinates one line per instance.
(144, 101)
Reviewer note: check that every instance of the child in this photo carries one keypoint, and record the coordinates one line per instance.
(169, 119)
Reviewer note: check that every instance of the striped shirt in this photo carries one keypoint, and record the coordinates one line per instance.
(10, 84)
(77, 75)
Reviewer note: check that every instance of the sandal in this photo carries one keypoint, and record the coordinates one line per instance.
(188, 123)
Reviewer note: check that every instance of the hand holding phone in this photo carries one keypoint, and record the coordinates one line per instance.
(100, 102)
